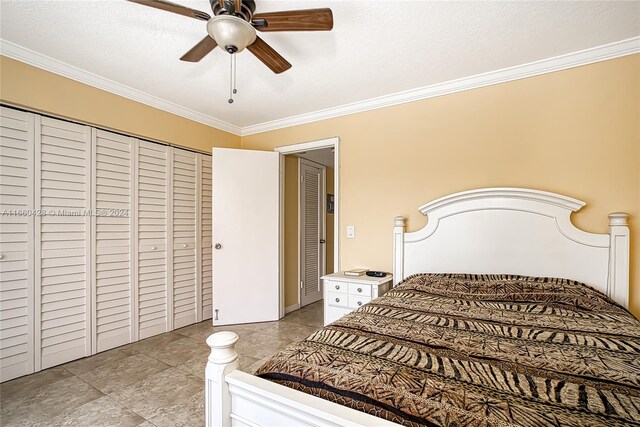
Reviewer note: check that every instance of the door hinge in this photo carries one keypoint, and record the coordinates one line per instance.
(301, 284)
(301, 178)
(216, 318)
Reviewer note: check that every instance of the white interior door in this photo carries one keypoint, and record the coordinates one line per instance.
(246, 228)
(311, 231)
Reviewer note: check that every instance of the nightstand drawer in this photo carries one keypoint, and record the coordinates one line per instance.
(356, 301)
(359, 289)
(333, 286)
(337, 300)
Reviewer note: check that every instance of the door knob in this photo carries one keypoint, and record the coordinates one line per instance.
(218, 246)
(322, 241)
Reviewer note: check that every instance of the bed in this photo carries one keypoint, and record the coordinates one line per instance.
(488, 337)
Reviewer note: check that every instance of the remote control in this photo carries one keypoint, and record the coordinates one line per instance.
(376, 273)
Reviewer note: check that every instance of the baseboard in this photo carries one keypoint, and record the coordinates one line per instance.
(291, 308)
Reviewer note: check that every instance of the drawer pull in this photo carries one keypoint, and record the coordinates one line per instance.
(337, 299)
(337, 286)
(359, 289)
(153, 248)
(359, 303)
(184, 246)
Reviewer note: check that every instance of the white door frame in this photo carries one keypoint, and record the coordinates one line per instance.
(333, 142)
(322, 210)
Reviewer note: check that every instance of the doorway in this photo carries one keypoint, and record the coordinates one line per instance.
(310, 198)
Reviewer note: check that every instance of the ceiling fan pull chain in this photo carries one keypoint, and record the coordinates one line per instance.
(235, 73)
(231, 79)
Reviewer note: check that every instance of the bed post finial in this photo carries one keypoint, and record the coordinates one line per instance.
(222, 360)
(398, 248)
(619, 258)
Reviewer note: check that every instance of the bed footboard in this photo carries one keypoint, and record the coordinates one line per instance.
(235, 398)
(222, 360)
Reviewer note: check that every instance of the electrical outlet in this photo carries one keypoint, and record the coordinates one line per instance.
(351, 232)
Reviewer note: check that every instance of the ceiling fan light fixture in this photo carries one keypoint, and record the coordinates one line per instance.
(231, 33)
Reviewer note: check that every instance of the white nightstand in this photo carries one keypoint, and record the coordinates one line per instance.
(343, 294)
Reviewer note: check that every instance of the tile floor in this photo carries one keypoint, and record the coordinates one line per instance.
(158, 381)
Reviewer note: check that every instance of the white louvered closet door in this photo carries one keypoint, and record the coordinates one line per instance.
(185, 286)
(152, 214)
(113, 197)
(311, 195)
(206, 236)
(16, 244)
(62, 274)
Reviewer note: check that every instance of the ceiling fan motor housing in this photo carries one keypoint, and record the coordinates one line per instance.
(247, 8)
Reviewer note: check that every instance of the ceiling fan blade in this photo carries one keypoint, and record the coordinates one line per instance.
(296, 20)
(175, 8)
(200, 50)
(268, 56)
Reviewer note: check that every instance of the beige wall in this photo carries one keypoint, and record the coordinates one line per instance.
(573, 132)
(290, 230)
(36, 89)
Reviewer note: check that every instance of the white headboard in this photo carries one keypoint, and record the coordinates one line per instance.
(514, 231)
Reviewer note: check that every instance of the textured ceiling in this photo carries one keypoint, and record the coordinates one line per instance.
(376, 48)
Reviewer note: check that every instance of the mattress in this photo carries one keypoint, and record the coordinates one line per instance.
(476, 350)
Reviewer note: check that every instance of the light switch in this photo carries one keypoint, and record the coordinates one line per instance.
(351, 232)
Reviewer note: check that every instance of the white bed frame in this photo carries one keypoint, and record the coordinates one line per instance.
(490, 230)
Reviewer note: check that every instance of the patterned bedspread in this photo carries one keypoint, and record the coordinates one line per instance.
(476, 350)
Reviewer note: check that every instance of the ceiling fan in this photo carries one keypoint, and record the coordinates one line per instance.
(234, 24)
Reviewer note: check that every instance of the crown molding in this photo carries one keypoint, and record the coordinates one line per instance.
(19, 53)
(558, 63)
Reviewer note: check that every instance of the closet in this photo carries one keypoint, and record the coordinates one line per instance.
(184, 230)
(114, 275)
(62, 241)
(206, 235)
(16, 243)
(152, 209)
(105, 239)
